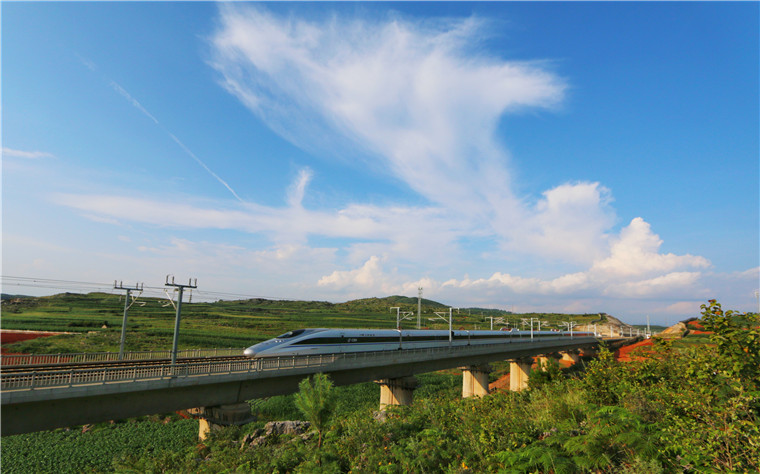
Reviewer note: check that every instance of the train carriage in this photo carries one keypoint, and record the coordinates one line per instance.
(330, 341)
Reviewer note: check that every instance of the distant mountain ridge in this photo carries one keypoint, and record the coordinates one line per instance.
(474, 316)
(6, 296)
(382, 304)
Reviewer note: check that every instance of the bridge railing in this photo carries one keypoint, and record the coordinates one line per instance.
(85, 357)
(34, 380)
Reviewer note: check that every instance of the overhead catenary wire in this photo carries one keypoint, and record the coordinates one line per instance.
(150, 291)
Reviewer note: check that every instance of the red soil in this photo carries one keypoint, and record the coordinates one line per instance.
(9, 337)
(695, 327)
(624, 353)
(501, 384)
(695, 324)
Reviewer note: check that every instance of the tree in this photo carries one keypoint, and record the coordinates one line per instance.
(737, 337)
(316, 400)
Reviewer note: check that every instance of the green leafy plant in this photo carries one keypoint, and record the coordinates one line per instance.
(316, 400)
(737, 337)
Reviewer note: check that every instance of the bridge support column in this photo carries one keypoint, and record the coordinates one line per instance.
(571, 356)
(545, 360)
(519, 371)
(589, 352)
(212, 418)
(398, 391)
(475, 380)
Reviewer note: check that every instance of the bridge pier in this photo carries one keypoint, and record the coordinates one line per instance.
(589, 352)
(398, 391)
(475, 380)
(571, 356)
(519, 371)
(545, 360)
(212, 418)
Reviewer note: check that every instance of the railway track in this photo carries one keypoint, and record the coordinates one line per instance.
(64, 366)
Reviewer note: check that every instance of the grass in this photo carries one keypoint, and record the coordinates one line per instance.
(95, 320)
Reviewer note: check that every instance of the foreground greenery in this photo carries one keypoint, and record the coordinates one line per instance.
(687, 408)
(154, 443)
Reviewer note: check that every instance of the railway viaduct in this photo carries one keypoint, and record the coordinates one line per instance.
(34, 399)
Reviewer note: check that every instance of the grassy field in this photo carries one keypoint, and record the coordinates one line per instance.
(94, 320)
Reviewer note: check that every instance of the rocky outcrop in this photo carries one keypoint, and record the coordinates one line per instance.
(607, 325)
(276, 428)
(678, 330)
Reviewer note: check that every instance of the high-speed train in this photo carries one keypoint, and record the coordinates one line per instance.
(330, 341)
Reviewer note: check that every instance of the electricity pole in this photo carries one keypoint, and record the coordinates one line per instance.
(127, 304)
(400, 316)
(531, 326)
(419, 308)
(180, 288)
(570, 325)
(442, 316)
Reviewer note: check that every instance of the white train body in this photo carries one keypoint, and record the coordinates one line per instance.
(330, 341)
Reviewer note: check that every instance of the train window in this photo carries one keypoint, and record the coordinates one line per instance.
(288, 334)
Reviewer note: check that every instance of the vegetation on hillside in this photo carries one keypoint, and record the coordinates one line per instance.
(94, 320)
(676, 408)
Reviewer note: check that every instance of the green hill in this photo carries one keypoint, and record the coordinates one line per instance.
(94, 320)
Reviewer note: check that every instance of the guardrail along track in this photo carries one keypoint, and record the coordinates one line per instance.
(86, 375)
(17, 369)
(89, 376)
(90, 357)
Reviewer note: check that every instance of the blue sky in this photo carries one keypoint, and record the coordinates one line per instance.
(569, 157)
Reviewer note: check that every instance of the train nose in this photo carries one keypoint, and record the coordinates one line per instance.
(249, 352)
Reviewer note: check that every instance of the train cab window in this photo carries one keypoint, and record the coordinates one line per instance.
(288, 334)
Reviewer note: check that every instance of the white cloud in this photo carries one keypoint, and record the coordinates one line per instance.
(632, 269)
(636, 252)
(661, 285)
(683, 307)
(570, 223)
(298, 189)
(32, 155)
(422, 102)
(416, 96)
(752, 274)
(366, 277)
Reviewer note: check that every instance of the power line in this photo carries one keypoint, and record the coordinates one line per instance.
(157, 291)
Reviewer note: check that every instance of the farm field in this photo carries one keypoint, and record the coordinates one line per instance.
(93, 321)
